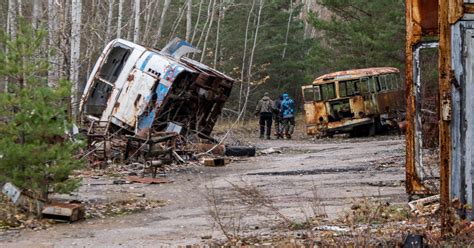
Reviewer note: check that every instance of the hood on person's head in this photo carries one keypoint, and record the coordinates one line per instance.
(286, 96)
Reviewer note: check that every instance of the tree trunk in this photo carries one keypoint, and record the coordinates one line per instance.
(287, 30)
(197, 21)
(11, 30)
(244, 56)
(150, 16)
(216, 50)
(136, 27)
(63, 46)
(110, 14)
(12, 18)
(205, 26)
(189, 20)
(162, 21)
(36, 13)
(76, 9)
(53, 43)
(249, 77)
(20, 7)
(177, 21)
(119, 19)
(204, 47)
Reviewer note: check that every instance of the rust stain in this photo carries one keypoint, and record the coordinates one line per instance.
(421, 20)
(447, 12)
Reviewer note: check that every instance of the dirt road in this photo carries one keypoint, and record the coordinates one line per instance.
(341, 170)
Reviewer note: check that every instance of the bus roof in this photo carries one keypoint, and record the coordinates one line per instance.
(356, 73)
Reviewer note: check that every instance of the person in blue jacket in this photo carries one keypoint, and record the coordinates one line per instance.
(288, 115)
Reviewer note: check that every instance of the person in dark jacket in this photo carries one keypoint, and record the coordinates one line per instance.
(288, 114)
(264, 110)
(277, 117)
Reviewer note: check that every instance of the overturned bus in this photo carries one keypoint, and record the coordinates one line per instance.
(138, 90)
(360, 102)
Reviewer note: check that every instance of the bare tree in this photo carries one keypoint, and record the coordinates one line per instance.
(189, 20)
(136, 27)
(197, 21)
(11, 28)
(244, 57)
(150, 16)
(20, 7)
(205, 24)
(53, 75)
(166, 5)
(11, 18)
(177, 21)
(249, 75)
(110, 14)
(76, 13)
(119, 19)
(219, 17)
(287, 30)
(36, 13)
(204, 47)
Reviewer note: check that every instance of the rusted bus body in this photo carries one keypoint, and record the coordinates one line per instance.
(139, 89)
(353, 101)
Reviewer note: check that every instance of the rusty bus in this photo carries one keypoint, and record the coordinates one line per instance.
(139, 89)
(361, 101)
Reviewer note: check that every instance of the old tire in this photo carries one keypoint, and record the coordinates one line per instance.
(240, 151)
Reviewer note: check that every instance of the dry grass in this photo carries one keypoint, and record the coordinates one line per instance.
(249, 128)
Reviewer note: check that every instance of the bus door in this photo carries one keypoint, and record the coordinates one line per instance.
(315, 110)
(370, 99)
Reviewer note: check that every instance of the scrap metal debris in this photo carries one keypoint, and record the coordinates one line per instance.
(425, 206)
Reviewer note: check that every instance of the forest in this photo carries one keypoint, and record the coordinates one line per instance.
(266, 45)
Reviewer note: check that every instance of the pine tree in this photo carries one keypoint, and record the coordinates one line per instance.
(34, 154)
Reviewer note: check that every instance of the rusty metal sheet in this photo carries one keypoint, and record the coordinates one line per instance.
(446, 11)
(358, 106)
(357, 73)
(64, 211)
(347, 124)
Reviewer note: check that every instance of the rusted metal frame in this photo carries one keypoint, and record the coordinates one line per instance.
(414, 34)
(444, 108)
(417, 86)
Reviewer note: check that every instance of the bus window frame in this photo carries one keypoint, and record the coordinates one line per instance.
(364, 81)
(313, 89)
(334, 94)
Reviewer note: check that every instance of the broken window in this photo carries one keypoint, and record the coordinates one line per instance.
(312, 94)
(97, 101)
(113, 64)
(349, 88)
(328, 91)
(364, 85)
